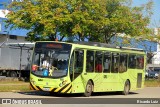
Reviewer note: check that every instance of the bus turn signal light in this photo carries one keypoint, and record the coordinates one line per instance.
(34, 67)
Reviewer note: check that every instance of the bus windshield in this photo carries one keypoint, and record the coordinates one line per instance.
(51, 59)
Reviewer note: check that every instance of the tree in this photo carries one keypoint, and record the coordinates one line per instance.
(123, 18)
(96, 20)
(47, 19)
(40, 17)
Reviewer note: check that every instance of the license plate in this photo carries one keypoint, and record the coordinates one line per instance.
(46, 89)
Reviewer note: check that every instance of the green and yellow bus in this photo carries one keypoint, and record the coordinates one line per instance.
(84, 67)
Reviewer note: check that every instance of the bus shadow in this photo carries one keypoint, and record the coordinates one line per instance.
(111, 93)
(42, 93)
(35, 93)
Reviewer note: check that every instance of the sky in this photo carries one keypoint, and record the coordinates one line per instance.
(155, 19)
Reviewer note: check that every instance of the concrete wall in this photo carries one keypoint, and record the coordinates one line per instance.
(6, 39)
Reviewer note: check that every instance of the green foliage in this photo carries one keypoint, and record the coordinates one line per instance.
(96, 20)
(125, 19)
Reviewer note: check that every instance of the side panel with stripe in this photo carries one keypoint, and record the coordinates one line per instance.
(64, 89)
(33, 87)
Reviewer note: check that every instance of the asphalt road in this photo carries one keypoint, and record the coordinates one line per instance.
(148, 92)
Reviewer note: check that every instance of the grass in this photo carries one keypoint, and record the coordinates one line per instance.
(16, 86)
(152, 83)
(13, 82)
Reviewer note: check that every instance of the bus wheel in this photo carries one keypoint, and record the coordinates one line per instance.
(7, 74)
(13, 74)
(126, 88)
(88, 90)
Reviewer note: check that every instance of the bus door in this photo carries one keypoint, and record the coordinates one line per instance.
(107, 83)
(111, 76)
(98, 72)
(76, 65)
(123, 74)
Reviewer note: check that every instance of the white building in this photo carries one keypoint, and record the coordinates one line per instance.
(6, 34)
(156, 57)
(11, 39)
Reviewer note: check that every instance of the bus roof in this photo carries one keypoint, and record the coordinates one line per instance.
(107, 45)
(97, 44)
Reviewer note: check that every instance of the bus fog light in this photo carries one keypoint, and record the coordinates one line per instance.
(64, 82)
(60, 84)
(34, 82)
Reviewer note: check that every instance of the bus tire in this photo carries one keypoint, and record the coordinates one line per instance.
(7, 74)
(88, 90)
(13, 74)
(126, 88)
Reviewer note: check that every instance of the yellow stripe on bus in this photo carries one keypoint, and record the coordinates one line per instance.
(41, 87)
(66, 88)
(51, 89)
(69, 91)
(34, 87)
(57, 89)
(31, 88)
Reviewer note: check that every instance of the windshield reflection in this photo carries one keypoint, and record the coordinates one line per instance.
(50, 62)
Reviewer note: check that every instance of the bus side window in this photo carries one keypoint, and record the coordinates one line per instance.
(78, 66)
(123, 63)
(90, 61)
(98, 61)
(115, 63)
(132, 61)
(107, 62)
(140, 62)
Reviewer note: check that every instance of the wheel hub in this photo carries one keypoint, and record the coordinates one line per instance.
(89, 88)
